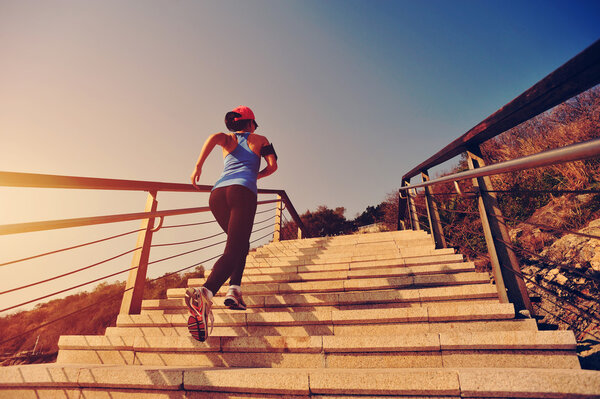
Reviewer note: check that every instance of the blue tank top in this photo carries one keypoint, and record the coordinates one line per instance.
(241, 166)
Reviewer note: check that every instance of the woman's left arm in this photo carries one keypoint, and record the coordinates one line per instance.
(270, 168)
(271, 159)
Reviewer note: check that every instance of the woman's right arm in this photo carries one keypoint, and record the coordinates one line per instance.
(209, 145)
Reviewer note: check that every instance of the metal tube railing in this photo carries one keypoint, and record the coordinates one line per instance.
(574, 152)
(18, 179)
(577, 75)
(132, 297)
(94, 220)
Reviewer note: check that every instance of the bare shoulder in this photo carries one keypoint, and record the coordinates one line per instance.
(220, 138)
(260, 140)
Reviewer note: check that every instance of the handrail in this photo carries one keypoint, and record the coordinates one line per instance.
(89, 221)
(574, 152)
(18, 179)
(35, 180)
(133, 294)
(575, 76)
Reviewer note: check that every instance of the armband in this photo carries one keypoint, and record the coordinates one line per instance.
(268, 150)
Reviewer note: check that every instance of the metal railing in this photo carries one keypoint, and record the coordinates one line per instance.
(576, 76)
(152, 221)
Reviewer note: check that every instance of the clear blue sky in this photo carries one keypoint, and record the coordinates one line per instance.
(352, 93)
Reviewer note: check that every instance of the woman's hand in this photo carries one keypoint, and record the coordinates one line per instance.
(196, 176)
(209, 144)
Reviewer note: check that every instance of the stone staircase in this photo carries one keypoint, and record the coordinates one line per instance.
(376, 315)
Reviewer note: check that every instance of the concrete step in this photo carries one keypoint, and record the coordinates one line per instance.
(451, 341)
(324, 255)
(354, 266)
(552, 349)
(375, 329)
(379, 264)
(358, 262)
(350, 274)
(414, 248)
(438, 313)
(363, 284)
(92, 381)
(412, 297)
(373, 238)
(417, 247)
(296, 309)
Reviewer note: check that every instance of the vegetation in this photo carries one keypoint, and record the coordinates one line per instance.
(574, 121)
(83, 313)
(325, 222)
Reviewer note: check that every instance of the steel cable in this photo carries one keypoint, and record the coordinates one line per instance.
(561, 265)
(567, 322)
(188, 224)
(587, 308)
(113, 258)
(267, 210)
(587, 316)
(105, 261)
(471, 193)
(67, 289)
(543, 226)
(67, 274)
(200, 239)
(526, 277)
(577, 293)
(110, 298)
(105, 277)
(187, 242)
(207, 222)
(198, 249)
(595, 321)
(69, 248)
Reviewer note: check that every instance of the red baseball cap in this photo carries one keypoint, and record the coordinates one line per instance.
(245, 112)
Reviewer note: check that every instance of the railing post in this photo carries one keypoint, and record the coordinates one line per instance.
(292, 211)
(414, 217)
(505, 266)
(402, 206)
(435, 225)
(278, 212)
(134, 289)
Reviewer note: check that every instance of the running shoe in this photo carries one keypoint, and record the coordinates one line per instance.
(200, 306)
(233, 299)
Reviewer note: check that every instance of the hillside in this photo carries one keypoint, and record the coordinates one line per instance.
(82, 313)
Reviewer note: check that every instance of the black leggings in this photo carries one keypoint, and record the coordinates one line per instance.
(234, 208)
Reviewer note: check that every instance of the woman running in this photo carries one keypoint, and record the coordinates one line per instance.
(233, 203)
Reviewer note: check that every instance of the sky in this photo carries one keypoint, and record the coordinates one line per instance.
(352, 94)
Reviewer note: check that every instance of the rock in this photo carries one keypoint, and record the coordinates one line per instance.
(561, 279)
(584, 198)
(553, 272)
(577, 249)
(515, 233)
